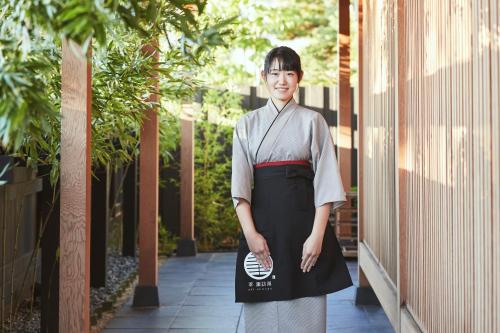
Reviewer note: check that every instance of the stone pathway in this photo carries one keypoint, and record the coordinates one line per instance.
(197, 295)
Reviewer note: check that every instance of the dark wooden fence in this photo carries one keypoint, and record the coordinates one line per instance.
(29, 219)
(18, 230)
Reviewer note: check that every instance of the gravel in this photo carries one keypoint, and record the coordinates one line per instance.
(121, 272)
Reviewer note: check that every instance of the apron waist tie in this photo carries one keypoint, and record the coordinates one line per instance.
(276, 163)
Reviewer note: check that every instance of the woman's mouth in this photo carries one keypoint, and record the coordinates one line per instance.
(282, 89)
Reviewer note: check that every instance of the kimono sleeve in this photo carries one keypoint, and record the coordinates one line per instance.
(327, 182)
(242, 168)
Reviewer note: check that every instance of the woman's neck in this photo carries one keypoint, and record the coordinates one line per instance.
(279, 103)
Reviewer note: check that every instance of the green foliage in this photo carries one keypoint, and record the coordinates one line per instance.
(215, 221)
(316, 23)
(310, 27)
(167, 242)
(30, 60)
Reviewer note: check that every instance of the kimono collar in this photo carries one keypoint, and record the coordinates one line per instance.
(290, 105)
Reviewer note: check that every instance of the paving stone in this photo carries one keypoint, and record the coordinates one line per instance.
(214, 283)
(368, 329)
(209, 300)
(210, 310)
(168, 311)
(139, 330)
(201, 330)
(344, 294)
(228, 322)
(197, 296)
(140, 322)
(212, 291)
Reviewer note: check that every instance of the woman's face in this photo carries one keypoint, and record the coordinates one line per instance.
(281, 84)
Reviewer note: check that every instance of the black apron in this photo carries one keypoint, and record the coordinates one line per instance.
(283, 210)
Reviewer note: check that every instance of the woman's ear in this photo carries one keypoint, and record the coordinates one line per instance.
(301, 74)
(263, 75)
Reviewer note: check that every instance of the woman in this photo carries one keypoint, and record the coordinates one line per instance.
(285, 180)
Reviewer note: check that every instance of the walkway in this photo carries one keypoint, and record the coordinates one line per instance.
(197, 295)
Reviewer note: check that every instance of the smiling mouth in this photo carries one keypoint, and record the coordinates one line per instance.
(282, 89)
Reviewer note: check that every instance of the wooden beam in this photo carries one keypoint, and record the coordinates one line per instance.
(384, 288)
(146, 292)
(76, 98)
(186, 245)
(408, 322)
(344, 122)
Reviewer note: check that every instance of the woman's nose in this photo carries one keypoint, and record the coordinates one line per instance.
(282, 78)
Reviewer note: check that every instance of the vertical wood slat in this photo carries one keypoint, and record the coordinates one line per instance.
(401, 151)
(344, 112)
(75, 189)
(495, 152)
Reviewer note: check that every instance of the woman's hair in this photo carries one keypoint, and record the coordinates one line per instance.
(288, 60)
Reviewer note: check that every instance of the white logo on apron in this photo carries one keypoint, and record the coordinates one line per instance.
(256, 270)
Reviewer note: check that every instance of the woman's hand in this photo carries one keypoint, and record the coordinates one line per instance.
(258, 246)
(311, 251)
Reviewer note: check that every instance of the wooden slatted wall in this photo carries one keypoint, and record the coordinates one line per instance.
(452, 155)
(449, 140)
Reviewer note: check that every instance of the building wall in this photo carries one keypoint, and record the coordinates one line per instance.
(440, 129)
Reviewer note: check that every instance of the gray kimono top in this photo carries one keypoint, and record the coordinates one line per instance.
(297, 133)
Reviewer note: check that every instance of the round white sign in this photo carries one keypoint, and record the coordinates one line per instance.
(256, 270)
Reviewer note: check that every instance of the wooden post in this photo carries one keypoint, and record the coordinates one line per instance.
(129, 210)
(344, 114)
(74, 259)
(253, 98)
(187, 245)
(146, 292)
(302, 96)
(364, 293)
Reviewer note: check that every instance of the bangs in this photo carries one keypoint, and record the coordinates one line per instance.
(288, 60)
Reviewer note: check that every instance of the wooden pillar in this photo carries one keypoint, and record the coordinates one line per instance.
(364, 293)
(146, 292)
(253, 98)
(74, 259)
(344, 114)
(187, 245)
